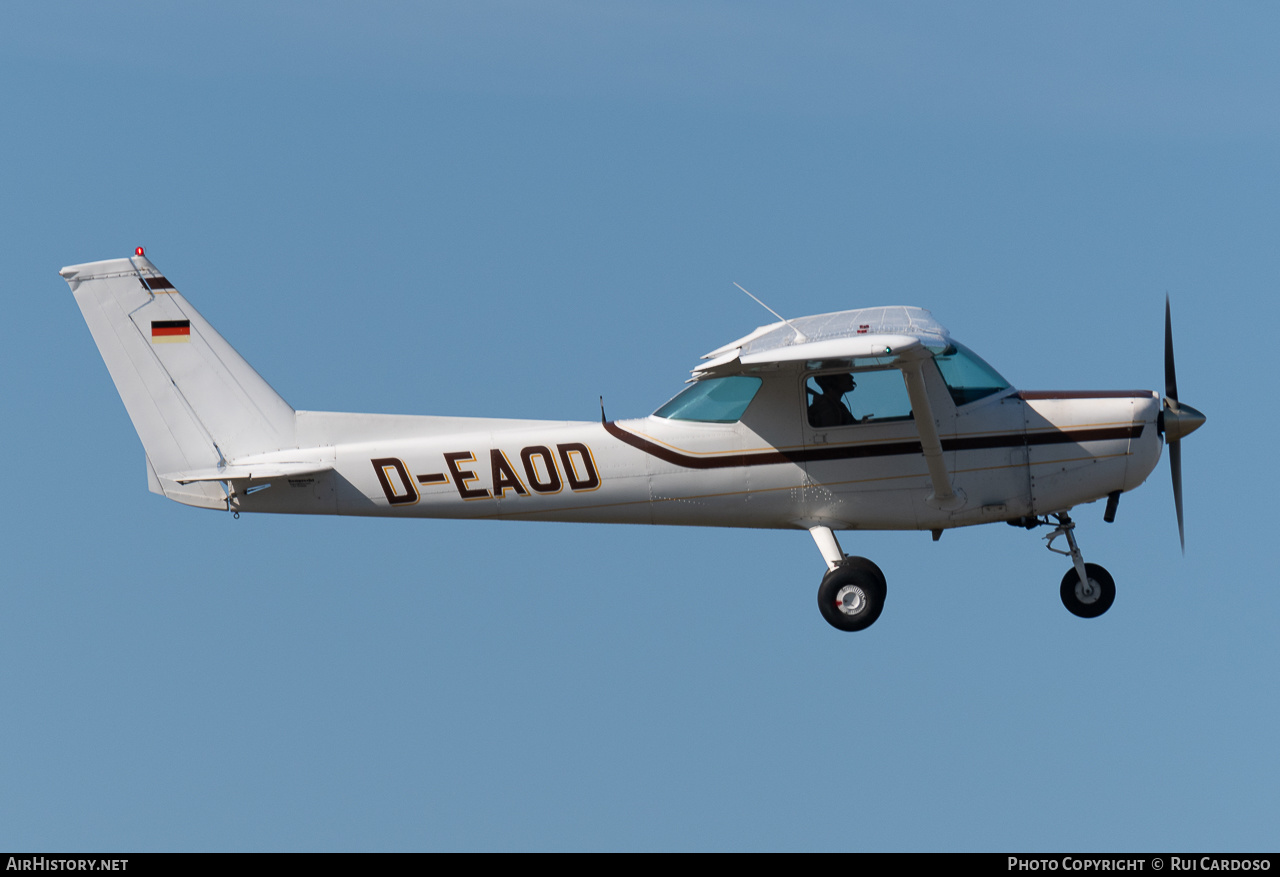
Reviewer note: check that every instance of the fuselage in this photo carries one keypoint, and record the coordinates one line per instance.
(1010, 455)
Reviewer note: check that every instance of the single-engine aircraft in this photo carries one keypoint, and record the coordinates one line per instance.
(868, 419)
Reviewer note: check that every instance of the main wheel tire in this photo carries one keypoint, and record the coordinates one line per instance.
(851, 596)
(1090, 601)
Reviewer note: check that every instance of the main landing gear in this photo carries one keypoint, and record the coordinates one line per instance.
(851, 596)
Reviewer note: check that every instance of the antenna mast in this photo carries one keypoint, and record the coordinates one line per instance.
(800, 336)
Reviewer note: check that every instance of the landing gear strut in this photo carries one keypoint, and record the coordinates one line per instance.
(1087, 589)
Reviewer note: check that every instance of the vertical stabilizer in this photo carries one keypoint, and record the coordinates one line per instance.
(194, 401)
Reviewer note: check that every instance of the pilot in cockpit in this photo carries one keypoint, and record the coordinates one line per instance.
(827, 408)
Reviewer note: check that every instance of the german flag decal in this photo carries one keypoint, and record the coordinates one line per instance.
(170, 331)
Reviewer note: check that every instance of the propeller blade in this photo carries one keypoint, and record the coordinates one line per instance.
(1175, 467)
(1170, 374)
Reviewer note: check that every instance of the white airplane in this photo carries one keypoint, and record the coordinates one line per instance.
(870, 419)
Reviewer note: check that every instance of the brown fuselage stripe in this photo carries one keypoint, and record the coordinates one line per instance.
(886, 449)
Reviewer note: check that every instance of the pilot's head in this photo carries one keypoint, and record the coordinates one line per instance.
(836, 385)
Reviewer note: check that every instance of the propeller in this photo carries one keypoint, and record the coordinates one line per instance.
(1177, 420)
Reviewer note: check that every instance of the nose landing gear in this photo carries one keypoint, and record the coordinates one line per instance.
(1087, 589)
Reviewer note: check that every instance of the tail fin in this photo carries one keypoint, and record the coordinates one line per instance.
(194, 401)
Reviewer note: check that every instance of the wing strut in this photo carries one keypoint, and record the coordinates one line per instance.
(944, 497)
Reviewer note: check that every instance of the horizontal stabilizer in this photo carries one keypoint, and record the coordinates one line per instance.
(249, 472)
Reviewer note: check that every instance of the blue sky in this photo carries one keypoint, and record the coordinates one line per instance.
(510, 209)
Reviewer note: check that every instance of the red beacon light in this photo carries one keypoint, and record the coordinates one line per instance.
(139, 252)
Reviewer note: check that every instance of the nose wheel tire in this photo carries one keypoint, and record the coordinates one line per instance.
(851, 596)
(1088, 599)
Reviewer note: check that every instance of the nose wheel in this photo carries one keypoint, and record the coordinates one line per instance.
(1092, 596)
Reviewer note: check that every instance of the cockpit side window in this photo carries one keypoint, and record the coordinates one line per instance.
(968, 378)
(843, 398)
(713, 400)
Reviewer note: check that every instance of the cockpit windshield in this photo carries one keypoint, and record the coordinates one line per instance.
(712, 400)
(967, 376)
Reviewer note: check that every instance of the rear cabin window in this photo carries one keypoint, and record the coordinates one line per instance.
(713, 400)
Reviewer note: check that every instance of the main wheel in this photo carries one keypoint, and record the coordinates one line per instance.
(1091, 599)
(851, 596)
